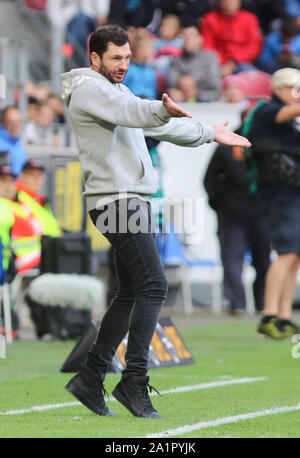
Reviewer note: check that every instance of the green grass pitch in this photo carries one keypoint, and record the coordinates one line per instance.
(223, 349)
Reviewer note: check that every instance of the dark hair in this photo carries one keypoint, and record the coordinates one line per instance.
(105, 34)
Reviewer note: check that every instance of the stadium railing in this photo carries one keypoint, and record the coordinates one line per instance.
(14, 68)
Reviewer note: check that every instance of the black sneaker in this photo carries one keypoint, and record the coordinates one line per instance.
(132, 392)
(90, 392)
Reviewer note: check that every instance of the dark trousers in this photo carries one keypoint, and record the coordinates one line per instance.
(237, 235)
(141, 293)
(112, 286)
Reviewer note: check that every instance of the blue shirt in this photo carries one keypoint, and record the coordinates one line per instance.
(272, 48)
(292, 8)
(176, 43)
(141, 80)
(16, 153)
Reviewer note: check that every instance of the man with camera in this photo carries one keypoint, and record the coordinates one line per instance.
(275, 157)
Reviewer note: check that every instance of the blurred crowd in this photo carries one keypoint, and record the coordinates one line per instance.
(196, 50)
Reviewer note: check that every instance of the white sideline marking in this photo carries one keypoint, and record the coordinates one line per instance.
(184, 389)
(39, 408)
(223, 421)
(180, 389)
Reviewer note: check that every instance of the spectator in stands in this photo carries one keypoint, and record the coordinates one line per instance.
(10, 138)
(40, 128)
(46, 131)
(136, 13)
(292, 8)
(234, 34)
(246, 88)
(241, 225)
(55, 103)
(37, 91)
(267, 11)
(281, 48)
(189, 11)
(81, 18)
(32, 110)
(187, 89)
(45, 109)
(30, 133)
(46, 115)
(62, 11)
(141, 76)
(202, 65)
(169, 43)
(233, 89)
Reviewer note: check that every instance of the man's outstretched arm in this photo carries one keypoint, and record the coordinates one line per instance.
(120, 107)
(186, 132)
(226, 137)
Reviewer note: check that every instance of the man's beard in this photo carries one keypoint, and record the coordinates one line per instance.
(108, 74)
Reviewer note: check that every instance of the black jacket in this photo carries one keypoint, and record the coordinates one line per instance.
(269, 138)
(227, 184)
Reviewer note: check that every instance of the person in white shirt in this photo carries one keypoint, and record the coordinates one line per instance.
(79, 19)
(61, 12)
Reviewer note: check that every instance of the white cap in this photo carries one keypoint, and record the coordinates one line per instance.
(286, 77)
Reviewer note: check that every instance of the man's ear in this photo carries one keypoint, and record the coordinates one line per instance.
(95, 60)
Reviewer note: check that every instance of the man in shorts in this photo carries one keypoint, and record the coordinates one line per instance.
(275, 136)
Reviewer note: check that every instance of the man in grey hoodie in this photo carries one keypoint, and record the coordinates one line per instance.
(110, 123)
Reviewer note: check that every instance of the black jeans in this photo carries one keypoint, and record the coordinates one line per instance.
(142, 290)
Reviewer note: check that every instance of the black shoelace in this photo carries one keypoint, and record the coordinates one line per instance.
(148, 403)
(101, 391)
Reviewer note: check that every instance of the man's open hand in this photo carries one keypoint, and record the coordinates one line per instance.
(226, 137)
(173, 109)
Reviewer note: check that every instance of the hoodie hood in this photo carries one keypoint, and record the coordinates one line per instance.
(71, 80)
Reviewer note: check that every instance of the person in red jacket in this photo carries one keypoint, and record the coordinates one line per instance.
(234, 34)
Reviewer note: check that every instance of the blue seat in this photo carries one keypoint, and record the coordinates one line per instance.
(171, 250)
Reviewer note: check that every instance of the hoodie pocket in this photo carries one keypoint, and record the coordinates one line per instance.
(143, 170)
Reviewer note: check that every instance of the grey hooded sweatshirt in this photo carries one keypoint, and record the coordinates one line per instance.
(110, 124)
